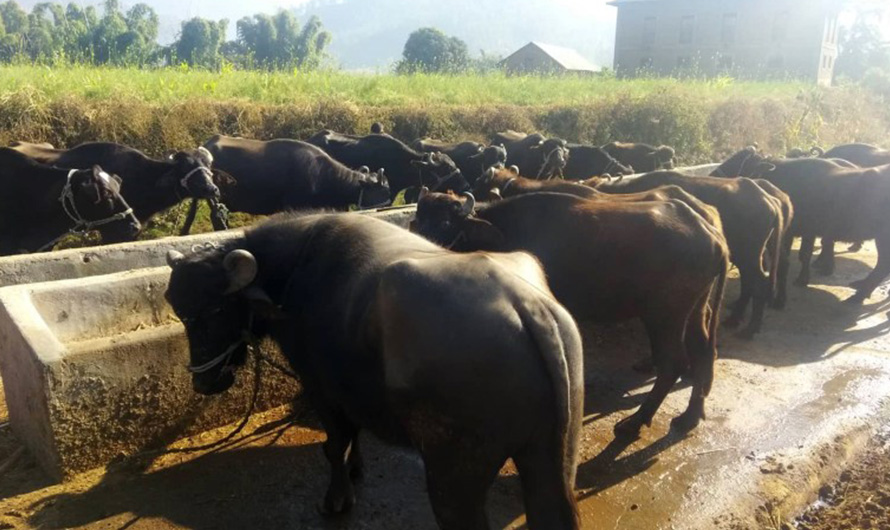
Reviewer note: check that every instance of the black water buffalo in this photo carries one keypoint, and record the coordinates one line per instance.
(641, 157)
(836, 203)
(472, 158)
(150, 186)
(405, 167)
(40, 203)
(588, 161)
(610, 261)
(863, 155)
(280, 175)
(466, 358)
(741, 163)
(535, 156)
(753, 224)
(45, 153)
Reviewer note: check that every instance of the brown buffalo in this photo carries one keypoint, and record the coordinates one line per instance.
(609, 261)
(504, 183)
(753, 223)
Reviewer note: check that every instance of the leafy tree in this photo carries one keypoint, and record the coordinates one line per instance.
(279, 42)
(861, 47)
(200, 41)
(430, 50)
(14, 18)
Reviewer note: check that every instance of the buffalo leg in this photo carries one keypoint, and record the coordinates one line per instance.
(737, 312)
(702, 354)
(805, 255)
(866, 286)
(339, 448)
(855, 247)
(824, 264)
(547, 488)
(781, 297)
(458, 479)
(189, 218)
(668, 352)
(762, 293)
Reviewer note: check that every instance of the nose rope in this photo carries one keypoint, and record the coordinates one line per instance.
(207, 173)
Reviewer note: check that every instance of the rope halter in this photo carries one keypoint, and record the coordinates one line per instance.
(546, 162)
(81, 224)
(202, 169)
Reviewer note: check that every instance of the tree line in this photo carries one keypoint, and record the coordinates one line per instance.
(53, 33)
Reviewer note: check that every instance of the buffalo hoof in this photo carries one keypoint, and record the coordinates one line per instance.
(644, 366)
(857, 284)
(732, 322)
(629, 428)
(337, 503)
(856, 299)
(686, 422)
(747, 333)
(825, 270)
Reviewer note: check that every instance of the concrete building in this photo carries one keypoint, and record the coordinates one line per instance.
(540, 58)
(745, 38)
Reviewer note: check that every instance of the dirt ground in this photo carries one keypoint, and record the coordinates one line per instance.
(790, 411)
(860, 498)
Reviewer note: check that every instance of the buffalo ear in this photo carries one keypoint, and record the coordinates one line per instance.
(483, 235)
(223, 179)
(261, 303)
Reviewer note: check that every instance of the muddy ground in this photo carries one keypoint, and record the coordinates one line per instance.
(789, 413)
(859, 498)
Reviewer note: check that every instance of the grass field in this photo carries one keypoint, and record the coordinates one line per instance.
(159, 111)
(175, 84)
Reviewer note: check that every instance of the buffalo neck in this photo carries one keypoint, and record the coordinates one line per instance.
(31, 214)
(148, 191)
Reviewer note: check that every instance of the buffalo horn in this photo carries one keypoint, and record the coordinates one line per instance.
(469, 204)
(241, 268)
(174, 257)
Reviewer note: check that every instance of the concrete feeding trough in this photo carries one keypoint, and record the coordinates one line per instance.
(94, 366)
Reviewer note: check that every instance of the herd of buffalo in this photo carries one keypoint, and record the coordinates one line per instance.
(458, 337)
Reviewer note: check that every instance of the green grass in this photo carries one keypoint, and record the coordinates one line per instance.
(176, 84)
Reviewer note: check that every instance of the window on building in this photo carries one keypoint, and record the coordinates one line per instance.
(730, 21)
(780, 27)
(649, 30)
(687, 29)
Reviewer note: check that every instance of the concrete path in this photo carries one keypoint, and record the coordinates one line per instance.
(787, 412)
